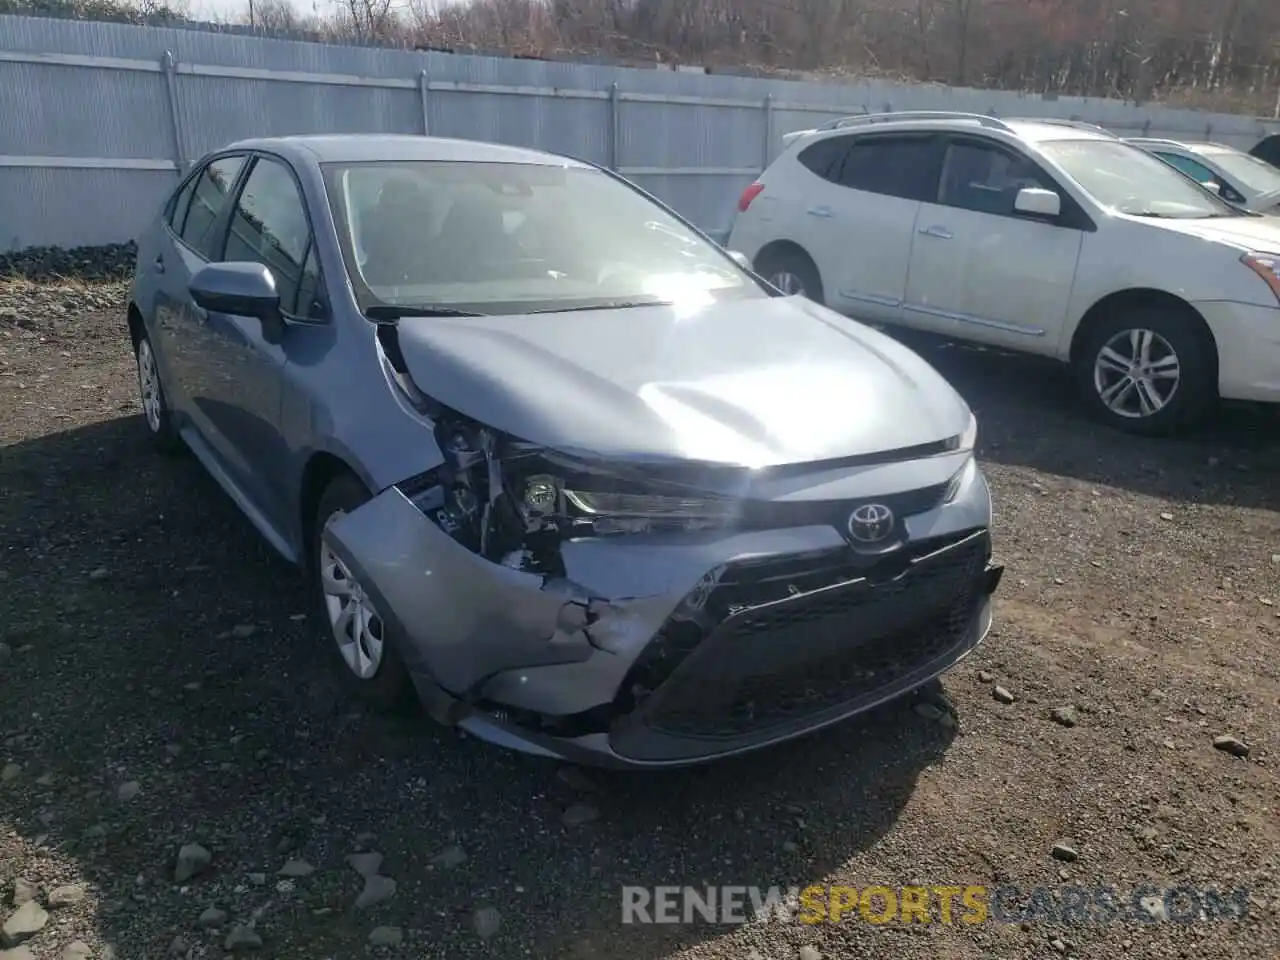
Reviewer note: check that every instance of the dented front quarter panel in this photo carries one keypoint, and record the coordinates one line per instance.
(458, 617)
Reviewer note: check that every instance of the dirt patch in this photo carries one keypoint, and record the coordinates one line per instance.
(162, 687)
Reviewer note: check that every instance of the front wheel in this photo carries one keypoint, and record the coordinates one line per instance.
(1146, 370)
(356, 630)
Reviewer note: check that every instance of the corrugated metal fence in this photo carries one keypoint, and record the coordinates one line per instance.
(96, 119)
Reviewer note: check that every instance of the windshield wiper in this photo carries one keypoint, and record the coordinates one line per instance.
(606, 305)
(386, 311)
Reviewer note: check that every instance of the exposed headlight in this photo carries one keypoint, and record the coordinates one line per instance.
(1267, 266)
(610, 512)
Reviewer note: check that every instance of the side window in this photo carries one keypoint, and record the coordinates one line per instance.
(905, 167)
(824, 157)
(210, 191)
(1188, 166)
(986, 178)
(269, 226)
(176, 214)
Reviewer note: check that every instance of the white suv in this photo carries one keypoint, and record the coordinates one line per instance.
(1046, 237)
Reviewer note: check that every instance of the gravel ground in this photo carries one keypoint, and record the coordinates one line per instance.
(161, 687)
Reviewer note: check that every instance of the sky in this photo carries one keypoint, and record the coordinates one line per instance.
(226, 9)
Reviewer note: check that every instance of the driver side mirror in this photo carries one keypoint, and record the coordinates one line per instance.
(245, 289)
(740, 258)
(1037, 202)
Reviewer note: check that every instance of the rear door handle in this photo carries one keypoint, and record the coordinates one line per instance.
(940, 233)
(159, 264)
(824, 212)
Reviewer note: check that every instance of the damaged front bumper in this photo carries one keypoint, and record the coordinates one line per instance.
(671, 649)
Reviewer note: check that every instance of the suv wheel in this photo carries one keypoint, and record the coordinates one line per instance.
(155, 406)
(1144, 369)
(357, 632)
(792, 272)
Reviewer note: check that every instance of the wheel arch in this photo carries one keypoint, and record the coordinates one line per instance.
(781, 247)
(320, 469)
(1142, 297)
(137, 326)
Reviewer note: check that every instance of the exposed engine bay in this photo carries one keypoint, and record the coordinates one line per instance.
(514, 503)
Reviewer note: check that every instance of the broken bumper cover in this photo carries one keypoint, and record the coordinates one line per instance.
(672, 650)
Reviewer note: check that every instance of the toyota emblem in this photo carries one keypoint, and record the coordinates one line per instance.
(871, 523)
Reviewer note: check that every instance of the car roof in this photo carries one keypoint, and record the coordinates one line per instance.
(366, 147)
(1032, 130)
(1039, 131)
(1203, 148)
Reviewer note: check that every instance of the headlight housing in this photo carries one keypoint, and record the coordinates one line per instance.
(966, 442)
(1267, 266)
(604, 512)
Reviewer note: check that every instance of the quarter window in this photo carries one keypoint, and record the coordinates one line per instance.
(824, 157)
(181, 202)
(905, 167)
(269, 226)
(208, 195)
(986, 179)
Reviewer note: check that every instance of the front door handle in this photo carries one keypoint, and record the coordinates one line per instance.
(824, 212)
(939, 233)
(158, 265)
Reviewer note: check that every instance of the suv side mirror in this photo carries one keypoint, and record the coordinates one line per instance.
(1213, 186)
(246, 289)
(1037, 202)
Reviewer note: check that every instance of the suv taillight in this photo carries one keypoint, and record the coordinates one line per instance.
(748, 195)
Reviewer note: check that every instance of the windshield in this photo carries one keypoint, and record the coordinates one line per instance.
(1258, 175)
(515, 238)
(1129, 180)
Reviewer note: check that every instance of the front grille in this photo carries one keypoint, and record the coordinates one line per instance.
(773, 656)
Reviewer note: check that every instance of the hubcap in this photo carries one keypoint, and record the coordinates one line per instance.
(787, 282)
(149, 385)
(1136, 373)
(356, 625)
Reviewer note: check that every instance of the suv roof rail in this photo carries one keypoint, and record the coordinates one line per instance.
(905, 115)
(1064, 122)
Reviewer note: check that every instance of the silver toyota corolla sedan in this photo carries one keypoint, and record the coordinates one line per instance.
(551, 459)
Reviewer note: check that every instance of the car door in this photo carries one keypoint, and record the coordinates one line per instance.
(980, 268)
(860, 221)
(192, 229)
(242, 383)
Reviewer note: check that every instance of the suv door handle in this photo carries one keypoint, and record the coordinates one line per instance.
(939, 233)
(158, 265)
(824, 212)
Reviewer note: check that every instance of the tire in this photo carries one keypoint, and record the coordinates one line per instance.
(386, 687)
(1179, 392)
(156, 417)
(792, 272)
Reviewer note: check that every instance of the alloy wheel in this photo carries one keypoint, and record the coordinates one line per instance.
(787, 282)
(149, 385)
(1136, 373)
(356, 624)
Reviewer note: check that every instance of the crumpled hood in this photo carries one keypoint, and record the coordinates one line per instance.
(756, 383)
